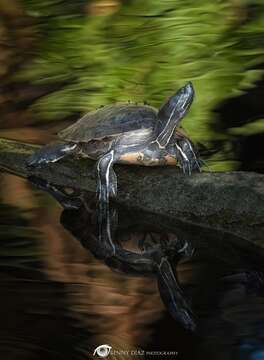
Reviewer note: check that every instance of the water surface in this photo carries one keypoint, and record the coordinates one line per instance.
(58, 301)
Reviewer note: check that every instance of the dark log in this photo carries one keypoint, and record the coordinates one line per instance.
(229, 201)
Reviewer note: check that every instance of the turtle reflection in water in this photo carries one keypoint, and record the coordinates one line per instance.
(126, 134)
(159, 252)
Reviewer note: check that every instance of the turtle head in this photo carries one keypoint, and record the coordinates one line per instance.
(183, 98)
(178, 104)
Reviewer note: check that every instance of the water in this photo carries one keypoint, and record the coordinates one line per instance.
(59, 301)
(60, 60)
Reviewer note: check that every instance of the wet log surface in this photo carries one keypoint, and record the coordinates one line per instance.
(230, 201)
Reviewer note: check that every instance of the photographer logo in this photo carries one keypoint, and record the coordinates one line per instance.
(102, 350)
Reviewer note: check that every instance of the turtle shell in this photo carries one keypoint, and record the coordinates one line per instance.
(110, 121)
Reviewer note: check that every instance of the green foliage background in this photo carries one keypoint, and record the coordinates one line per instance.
(145, 50)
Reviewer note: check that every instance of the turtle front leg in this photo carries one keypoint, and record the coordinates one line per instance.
(188, 148)
(187, 156)
(184, 160)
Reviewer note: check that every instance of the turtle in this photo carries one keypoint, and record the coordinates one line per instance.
(126, 133)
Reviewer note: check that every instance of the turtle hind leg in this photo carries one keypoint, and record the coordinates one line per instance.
(187, 156)
(51, 153)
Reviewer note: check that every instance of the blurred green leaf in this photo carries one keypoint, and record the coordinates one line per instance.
(145, 51)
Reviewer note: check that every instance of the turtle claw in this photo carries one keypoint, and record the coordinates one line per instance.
(203, 163)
